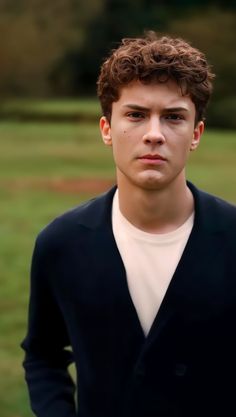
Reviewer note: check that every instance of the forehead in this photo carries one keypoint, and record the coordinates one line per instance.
(164, 95)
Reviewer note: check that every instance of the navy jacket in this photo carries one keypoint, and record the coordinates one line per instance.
(185, 367)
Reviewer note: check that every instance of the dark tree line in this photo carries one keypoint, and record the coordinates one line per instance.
(56, 48)
(122, 18)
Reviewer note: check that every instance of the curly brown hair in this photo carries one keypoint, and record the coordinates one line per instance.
(152, 59)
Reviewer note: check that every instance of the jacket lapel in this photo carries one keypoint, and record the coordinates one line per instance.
(198, 271)
(109, 271)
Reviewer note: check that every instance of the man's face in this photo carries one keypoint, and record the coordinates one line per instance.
(152, 131)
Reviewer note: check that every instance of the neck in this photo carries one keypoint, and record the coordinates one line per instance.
(156, 211)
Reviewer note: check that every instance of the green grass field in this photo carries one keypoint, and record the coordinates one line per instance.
(31, 156)
(87, 108)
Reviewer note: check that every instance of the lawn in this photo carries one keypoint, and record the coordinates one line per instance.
(33, 157)
(59, 110)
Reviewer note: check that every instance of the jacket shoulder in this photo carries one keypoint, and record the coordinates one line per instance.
(217, 212)
(68, 224)
(223, 207)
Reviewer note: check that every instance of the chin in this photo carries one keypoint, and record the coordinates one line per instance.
(150, 183)
(152, 187)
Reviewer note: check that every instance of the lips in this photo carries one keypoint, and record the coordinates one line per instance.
(152, 160)
(152, 157)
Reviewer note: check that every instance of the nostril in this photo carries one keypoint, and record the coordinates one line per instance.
(154, 138)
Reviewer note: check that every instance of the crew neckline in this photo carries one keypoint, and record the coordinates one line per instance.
(146, 236)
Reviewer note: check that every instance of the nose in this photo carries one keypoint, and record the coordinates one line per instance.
(154, 134)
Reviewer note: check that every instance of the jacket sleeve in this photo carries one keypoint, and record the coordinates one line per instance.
(46, 344)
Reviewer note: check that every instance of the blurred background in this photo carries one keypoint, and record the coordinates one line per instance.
(54, 48)
(51, 155)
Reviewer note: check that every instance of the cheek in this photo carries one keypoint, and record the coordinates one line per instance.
(184, 152)
(124, 142)
(121, 139)
(122, 150)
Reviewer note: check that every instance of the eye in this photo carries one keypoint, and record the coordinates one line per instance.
(175, 117)
(136, 115)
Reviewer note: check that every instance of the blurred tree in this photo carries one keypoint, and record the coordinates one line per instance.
(214, 32)
(57, 47)
(33, 34)
(117, 19)
(77, 70)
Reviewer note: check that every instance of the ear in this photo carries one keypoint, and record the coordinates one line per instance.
(105, 129)
(197, 133)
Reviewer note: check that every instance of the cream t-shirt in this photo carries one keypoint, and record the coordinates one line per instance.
(150, 261)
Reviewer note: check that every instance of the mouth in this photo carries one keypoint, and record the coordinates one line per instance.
(152, 159)
(152, 156)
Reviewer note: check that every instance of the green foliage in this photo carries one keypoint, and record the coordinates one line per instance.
(222, 113)
(77, 71)
(213, 33)
(55, 48)
(34, 35)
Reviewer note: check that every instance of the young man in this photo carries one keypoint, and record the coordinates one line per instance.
(138, 286)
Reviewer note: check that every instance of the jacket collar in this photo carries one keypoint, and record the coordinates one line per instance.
(97, 211)
(207, 210)
(94, 213)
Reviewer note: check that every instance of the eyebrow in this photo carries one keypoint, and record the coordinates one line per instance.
(167, 110)
(136, 107)
(176, 109)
